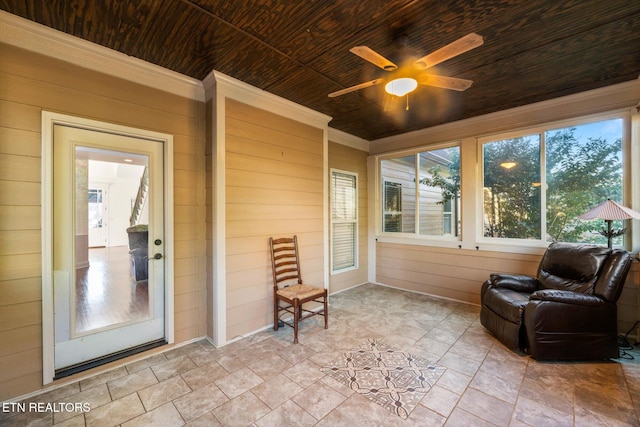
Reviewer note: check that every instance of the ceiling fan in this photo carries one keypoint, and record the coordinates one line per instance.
(405, 81)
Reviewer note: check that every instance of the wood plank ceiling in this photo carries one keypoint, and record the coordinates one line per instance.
(299, 49)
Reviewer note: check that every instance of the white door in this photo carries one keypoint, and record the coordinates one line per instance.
(106, 300)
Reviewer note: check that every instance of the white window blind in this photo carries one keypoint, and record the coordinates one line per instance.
(344, 220)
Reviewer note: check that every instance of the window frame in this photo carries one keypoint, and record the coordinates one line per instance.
(445, 240)
(471, 202)
(332, 221)
(541, 129)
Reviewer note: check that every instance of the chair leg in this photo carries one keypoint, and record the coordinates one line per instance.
(296, 317)
(275, 314)
(300, 312)
(326, 312)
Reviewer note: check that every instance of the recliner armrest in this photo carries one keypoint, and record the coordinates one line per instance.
(515, 282)
(567, 297)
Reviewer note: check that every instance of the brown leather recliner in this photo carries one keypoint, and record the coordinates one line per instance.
(567, 312)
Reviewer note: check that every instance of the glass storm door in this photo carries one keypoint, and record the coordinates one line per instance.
(108, 297)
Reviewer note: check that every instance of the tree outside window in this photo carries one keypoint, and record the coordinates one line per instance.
(440, 175)
(512, 188)
(583, 169)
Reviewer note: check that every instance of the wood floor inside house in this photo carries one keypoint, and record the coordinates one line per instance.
(107, 293)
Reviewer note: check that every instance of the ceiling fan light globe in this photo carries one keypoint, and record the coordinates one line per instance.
(401, 87)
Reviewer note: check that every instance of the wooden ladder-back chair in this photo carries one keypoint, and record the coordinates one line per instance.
(289, 288)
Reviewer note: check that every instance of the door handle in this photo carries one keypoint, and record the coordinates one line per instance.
(157, 256)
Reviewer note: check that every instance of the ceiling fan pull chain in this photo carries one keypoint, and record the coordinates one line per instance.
(407, 108)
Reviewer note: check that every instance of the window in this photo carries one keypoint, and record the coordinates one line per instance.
(392, 207)
(448, 222)
(536, 185)
(531, 186)
(511, 188)
(95, 208)
(344, 220)
(421, 193)
(439, 192)
(399, 194)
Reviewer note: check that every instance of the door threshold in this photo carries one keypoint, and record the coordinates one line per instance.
(94, 363)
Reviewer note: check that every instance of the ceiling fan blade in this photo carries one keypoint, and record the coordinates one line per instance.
(444, 82)
(356, 87)
(462, 45)
(374, 57)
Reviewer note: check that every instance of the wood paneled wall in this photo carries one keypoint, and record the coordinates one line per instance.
(209, 191)
(353, 160)
(459, 273)
(450, 273)
(29, 84)
(274, 187)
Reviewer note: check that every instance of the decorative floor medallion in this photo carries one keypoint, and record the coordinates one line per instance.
(395, 380)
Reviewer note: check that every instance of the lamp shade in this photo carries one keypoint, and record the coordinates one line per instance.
(610, 210)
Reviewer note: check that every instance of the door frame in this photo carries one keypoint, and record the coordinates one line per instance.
(49, 119)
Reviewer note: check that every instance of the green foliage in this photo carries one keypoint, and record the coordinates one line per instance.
(580, 175)
(512, 197)
(449, 181)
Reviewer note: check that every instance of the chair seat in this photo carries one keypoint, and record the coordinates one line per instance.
(302, 292)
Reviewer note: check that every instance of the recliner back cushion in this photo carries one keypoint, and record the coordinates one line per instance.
(571, 267)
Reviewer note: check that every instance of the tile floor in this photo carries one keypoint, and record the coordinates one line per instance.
(265, 380)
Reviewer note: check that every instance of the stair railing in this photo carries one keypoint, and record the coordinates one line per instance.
(140, 197)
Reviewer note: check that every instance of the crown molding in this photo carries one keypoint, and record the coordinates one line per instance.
(28, 35)
(219, 83)
(38, 38)
(347, 139)
(609, 98)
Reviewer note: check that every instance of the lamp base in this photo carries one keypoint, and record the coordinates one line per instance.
(611, 233)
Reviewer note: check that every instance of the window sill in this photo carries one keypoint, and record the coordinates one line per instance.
(527, 248)
(344, 270)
